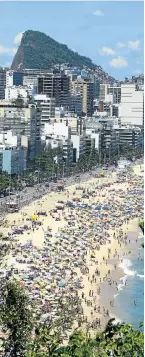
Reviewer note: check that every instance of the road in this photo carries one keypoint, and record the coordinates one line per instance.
(29, 194)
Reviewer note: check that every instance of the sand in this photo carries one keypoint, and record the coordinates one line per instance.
(47, 203)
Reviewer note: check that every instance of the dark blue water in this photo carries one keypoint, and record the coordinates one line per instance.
(131, 288)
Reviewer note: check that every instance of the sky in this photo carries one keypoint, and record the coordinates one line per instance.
(110, 33)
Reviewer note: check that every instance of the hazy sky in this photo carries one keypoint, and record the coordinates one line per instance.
(110, 33)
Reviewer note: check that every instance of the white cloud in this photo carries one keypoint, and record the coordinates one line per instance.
(98, 13)
(118, 62)
(18, 37)
(107, 51)
(134, 45)
(121, 44)
(7, 50)
(137, 71)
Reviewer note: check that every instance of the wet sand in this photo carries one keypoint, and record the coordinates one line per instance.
(110, 292)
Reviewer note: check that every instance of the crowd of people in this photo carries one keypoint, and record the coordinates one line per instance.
(90, 237)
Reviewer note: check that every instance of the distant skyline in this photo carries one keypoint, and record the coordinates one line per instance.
(110, 33)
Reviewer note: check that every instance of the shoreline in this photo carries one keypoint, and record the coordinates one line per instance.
(118, 275)
(115, 274)
(58, 223)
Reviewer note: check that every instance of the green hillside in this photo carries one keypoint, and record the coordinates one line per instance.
(37, 50)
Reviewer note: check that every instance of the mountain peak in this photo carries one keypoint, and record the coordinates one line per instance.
(39, 51)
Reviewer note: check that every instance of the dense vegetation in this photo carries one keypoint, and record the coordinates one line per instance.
(43, 166)
(37, 50)
(25, 336)
(41, 51)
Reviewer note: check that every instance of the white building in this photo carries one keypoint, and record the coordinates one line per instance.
(58, 134)
(47, 106)
(96, 136)
(78, 146)
(111, 93)
(65, 136)
(14, 91)
(30, 81)
(13, 155)
(76, 124)
(57, 129)
(110, 98)
(131, 105)
(24, 121)
(7, 138)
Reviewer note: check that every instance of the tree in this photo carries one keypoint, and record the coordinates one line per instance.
(123, 340)
(116, 340)
(29, 338)
(15, 318)
(19, 101)
(141, 225)
(45, 342)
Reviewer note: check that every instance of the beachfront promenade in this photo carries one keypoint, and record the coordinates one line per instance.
(67, 244)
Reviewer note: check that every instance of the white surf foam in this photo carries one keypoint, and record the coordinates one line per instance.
(125, 265)
(140, 234)
(116, 295)
(122, 282)
(140, 276)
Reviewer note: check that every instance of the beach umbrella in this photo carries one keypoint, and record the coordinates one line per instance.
(61, 284)
(53, 285)
(34, 217)
(35, 292)
(48, 287)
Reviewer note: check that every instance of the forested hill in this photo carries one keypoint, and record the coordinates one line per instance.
(37, 50)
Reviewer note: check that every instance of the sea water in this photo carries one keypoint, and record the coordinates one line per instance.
(131, 288)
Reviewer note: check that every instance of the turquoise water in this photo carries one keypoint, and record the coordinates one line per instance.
(131, 288)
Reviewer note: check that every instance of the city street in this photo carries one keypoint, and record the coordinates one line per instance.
(30, 194)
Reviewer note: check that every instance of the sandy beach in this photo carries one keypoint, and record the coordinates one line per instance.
(73, 242)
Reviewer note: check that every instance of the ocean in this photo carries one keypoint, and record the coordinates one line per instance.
(131, 287)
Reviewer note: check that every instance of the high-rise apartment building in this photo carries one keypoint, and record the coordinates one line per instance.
(31, 81)
(106, 90)
(85, 88)
(132, 101)
(13, 159)
(12, 93)
(2, 83)
(75, 104)
(47, 107)
(130, 136)
(55, 86)
(14, 79)
(23, 121)
(88, 97)
(96, 87)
